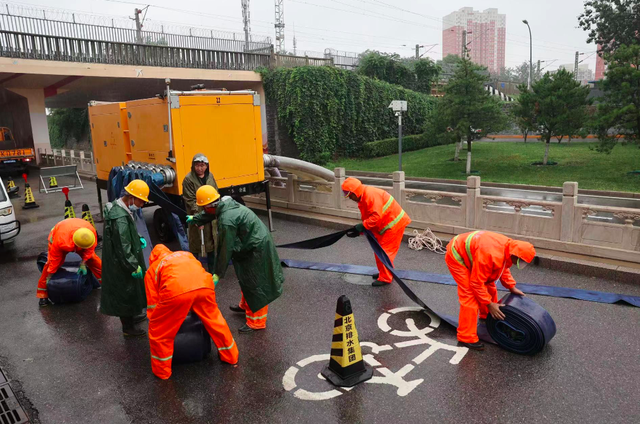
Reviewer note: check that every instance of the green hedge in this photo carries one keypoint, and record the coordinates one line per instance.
(331, 112)
(389, 146)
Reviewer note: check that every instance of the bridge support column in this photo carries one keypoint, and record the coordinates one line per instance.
(38, 115)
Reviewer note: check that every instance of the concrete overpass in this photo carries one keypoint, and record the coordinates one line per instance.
(29, 86)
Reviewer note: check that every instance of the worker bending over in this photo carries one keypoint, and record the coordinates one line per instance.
(243, 238)
(176, 283)
(206, 234)
(71, 235)
(381, 215)
(123, 292)
(476, 261)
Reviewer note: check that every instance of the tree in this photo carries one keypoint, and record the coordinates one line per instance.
(469, 109)
(611, 23)
(560, 106)
(427, 72)
(68, 125)
(619, 110)
(523, 112)
(386, 67)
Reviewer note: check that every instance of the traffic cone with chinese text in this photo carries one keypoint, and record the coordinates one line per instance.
(53, 182)
(346, 367)
(12, 188)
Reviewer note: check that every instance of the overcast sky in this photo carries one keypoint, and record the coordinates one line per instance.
(357, 25)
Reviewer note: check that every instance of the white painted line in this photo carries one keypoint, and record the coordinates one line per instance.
(312, 359)
(289, 379)
(375, 348)
(382, 322)
(306, 395)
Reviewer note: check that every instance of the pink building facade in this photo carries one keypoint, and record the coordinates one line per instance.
(486, 36)
(601, 66)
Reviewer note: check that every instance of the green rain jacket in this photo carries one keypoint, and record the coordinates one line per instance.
(190, 185)
(243, 238)
(122, 295)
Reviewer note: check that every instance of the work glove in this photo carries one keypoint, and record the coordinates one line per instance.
(82, 269)
(47, 281)
(353, 233)
(359, 227)
(143, 242)
(137, 273)
(189, 219)
(215, 280)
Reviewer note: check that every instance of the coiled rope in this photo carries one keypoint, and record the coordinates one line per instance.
(427, 240)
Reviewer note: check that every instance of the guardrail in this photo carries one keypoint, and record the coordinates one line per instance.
(47, 47)
(566, 226)
(60, 157)
(287, 61)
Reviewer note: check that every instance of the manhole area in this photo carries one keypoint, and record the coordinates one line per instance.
(10, 410)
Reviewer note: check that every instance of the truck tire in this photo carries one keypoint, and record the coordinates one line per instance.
(162, 227)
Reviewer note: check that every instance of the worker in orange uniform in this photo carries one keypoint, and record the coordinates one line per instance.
(381, 215)
(71, 235)
(476, 261)
(176, 283)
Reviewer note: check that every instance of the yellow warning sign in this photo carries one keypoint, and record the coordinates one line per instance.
(345, 346)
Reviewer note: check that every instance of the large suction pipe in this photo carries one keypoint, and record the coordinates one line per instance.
(298, 167)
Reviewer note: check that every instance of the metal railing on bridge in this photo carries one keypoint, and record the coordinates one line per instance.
(47, 47)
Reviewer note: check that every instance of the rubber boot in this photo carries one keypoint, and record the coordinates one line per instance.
(44, 302)
(140, 318)
(236, 308)
(474, 346)
(129, 328)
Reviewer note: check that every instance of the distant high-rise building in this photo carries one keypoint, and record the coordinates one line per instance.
(584, 73)
(486, 36)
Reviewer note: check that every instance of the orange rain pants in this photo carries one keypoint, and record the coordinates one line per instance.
(383, 216)
(256, 320)
(476, 260)
(175, 284)
(60, 244)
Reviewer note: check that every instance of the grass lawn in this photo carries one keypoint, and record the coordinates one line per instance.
(511, 163)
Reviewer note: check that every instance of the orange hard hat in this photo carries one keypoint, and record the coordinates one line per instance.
(138, 189)
(206, 195)
(84, 238)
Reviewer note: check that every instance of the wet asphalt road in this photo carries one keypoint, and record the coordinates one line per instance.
(74, 366)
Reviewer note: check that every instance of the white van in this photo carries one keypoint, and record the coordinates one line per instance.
(9, 225)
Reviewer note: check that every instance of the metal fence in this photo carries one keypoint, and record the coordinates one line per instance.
(60, 157)
(287, 61)
(198, 38)
(46, 47)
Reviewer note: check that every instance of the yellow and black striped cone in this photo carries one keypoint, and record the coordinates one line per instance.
(86, 215)
(53, 182)
(346, 367)
(29, 200)
(12, 188)
(68, 210)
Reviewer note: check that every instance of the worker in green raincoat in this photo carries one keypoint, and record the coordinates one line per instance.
(243, 238)
(123, 291)
(198, 177)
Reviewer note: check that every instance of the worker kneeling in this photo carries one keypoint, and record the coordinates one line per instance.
(175, 284)
(71, 235)
(476, 261)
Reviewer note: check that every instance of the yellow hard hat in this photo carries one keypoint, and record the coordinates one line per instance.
(139, 189)
(84, 238)
(206, 194)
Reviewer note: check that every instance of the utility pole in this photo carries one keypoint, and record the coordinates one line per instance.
(538, 71)
(417, 51)
(247, 24)
(464, 43)
(530, 55)
(575, 67)
(279, 26)
(137, 13)
(295, 42)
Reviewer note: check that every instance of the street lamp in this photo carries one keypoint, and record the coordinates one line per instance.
(530, 55)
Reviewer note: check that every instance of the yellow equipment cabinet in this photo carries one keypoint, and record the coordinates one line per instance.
(109, 133)
(163, 134)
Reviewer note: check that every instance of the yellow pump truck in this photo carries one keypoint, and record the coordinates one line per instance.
(162, 134)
